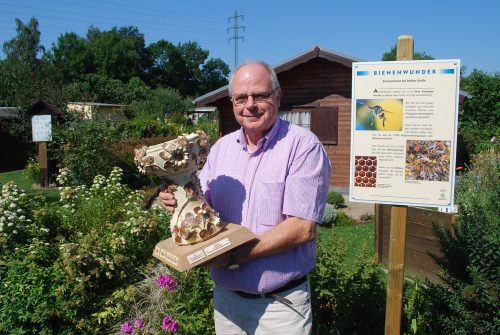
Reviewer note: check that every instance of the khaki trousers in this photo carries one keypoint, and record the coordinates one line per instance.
(238, 315)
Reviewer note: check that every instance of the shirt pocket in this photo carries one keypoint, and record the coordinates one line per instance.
(269, 204)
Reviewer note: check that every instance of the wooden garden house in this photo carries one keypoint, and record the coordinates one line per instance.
(316, 88)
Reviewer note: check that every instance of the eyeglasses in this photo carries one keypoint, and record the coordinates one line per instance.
(241, 99)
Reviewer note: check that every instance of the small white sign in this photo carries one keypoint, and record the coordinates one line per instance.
(41, 126)
(195, 257)
(217, 246)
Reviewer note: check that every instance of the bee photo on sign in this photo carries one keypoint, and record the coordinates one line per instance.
(379, 115)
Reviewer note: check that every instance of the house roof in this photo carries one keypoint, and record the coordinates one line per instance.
(8, 112)
(315, 52)
(95, 104)
(44, 107)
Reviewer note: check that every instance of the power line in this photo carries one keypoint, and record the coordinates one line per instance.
(236, 37)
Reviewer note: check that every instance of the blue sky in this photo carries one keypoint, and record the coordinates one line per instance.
(278, 30)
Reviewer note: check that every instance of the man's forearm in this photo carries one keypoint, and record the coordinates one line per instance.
(287, 235)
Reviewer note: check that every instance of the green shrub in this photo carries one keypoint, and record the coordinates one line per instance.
(32, 170)
(82, 146)
(336, 199)
(160, 103)
(467, 301)
(344, 219)
(329, 215)
(368, 217)
(65, 260)
(346, 300)
(416, 317)
(187, 300)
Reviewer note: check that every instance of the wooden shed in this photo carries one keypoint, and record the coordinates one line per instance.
(316, 88)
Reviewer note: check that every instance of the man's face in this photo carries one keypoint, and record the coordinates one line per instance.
(259, 112)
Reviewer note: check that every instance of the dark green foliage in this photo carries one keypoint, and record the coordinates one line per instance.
(83, 147)
(26, 45)
(479, 116)
(185, 67)
(346, 301)
(344, 219)
(72, 256)
(392, 55)
(70, 57)
(160, 103)
(192, 304)
(336, 199)
(329, 215)
(468, 300)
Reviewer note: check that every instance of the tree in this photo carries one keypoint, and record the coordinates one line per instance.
(392, 55)
(119, 53)
(214, 74)
(71, 56)
(185, 67)
(24, 78)
(26, 45)
(168, 67)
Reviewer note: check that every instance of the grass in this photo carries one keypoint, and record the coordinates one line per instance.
(354, 236)
(22, 179)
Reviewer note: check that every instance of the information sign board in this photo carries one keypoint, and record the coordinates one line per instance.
(403, 133)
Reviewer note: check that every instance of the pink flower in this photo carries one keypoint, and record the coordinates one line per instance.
(127, 328)
(174, 327)
(139, 324)
(166, 322)
(166, 280)
(169, 325)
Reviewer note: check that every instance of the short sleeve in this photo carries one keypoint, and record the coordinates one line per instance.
(307, 183)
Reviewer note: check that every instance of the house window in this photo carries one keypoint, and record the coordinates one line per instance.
(302, 119)
(322, 121)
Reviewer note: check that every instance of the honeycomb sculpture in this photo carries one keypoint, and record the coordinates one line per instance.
(177, 162)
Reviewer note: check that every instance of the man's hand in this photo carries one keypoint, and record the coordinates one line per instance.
(167, 200)
(221, 261)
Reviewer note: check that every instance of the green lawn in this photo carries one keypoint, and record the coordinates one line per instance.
(21, 179)
(354, 236)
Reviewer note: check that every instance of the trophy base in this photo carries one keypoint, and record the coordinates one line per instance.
(185, 257)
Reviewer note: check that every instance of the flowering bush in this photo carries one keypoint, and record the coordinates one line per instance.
(33, 170)
(16, 214)
(164, 304)
(61, 263)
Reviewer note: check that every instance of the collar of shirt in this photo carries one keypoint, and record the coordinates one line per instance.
(264, 141)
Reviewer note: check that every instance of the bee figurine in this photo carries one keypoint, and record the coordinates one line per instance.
(378, 112)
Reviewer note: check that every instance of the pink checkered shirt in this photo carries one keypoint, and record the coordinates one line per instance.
(288, 174)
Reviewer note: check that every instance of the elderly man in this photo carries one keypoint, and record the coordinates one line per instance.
(271, 177)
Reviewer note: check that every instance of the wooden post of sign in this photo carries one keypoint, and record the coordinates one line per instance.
(42, 161)
(397, 235)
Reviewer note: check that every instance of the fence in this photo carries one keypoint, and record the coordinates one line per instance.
(420, 238)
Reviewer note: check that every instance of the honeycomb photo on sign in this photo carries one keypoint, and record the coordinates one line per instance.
(427, 160)
(365, 171)
(379, 114)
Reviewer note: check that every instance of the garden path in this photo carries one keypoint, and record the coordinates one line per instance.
(356, 209)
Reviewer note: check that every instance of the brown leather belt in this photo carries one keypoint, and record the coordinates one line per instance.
(293, 284)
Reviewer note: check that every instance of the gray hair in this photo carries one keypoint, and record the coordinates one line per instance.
(270, 70)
